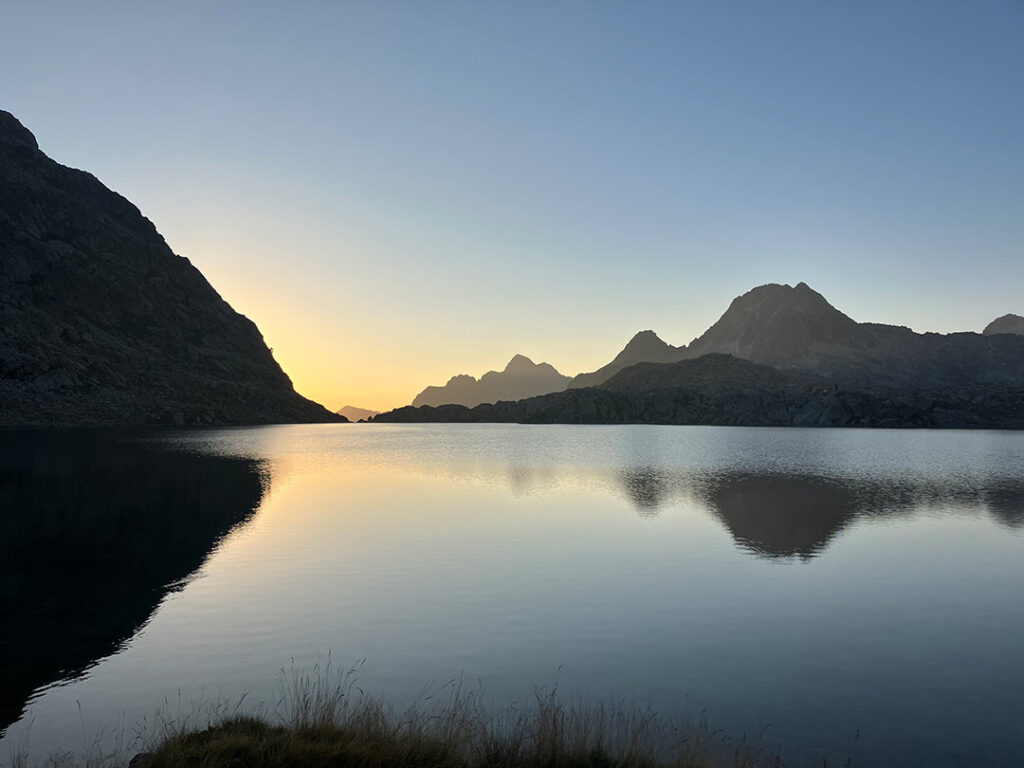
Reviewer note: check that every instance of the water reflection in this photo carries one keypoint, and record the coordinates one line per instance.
(792, 515)
(781, 516)
(94, 532)
(640, 558)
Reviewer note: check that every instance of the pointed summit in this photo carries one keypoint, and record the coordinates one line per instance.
(776, 324)
(644, 347)
(519, 363)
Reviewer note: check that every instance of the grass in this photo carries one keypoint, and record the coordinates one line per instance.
(324, 719)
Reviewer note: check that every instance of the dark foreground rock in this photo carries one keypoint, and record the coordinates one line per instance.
(104, 324)
(723, 390)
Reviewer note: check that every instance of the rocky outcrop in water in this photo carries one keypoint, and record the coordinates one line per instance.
(104, 324)
(520, 378)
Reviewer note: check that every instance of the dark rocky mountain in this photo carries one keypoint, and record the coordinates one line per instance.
(645, 347)
(104, 324)
(1005, 324)
(781, 326)
(520, 378)
(796, 329)
(352, 413)
(784, 356)
(724, 390)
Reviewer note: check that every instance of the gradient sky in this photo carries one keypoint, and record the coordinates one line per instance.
(398, 192)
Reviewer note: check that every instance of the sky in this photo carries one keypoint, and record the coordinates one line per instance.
(397, 192)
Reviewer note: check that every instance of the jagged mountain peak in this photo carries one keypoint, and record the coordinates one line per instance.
(642, 346)
(519, 363)
(775, 324)
(520, 378)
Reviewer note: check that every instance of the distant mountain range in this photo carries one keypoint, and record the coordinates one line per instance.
(782, 355)
(352, 413)
(104, 324)
(520, 378)
(796, 329)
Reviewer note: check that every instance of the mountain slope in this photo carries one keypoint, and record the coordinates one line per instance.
(103, 323)
(520, 378)
(644, 347)
(796, 329)
(779, 325)
(1005, 324)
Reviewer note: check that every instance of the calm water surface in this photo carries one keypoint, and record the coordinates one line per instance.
(855, 593)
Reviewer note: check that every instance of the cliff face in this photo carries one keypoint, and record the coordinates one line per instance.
(520, 378)
(104, 324)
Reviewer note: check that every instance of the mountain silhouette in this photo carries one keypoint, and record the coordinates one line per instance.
(104, 324)
(779, 325)
(520, 378)
(784, 356)
(352, 413)
(645, 347)
(796, 329)
(1005, 324)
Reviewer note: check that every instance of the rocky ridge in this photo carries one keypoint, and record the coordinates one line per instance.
(520, 378)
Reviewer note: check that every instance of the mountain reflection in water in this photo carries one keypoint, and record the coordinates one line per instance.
(782, 515)
(94, 532)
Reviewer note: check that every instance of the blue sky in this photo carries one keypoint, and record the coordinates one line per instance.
(398, 192)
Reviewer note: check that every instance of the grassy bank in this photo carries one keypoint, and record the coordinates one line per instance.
(327, 721)
(324, 719)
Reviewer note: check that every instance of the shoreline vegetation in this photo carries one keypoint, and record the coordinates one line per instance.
(323, 718)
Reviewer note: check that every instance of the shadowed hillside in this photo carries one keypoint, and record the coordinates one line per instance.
(104, 324)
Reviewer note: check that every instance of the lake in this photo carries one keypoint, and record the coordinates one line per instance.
(854, 593)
